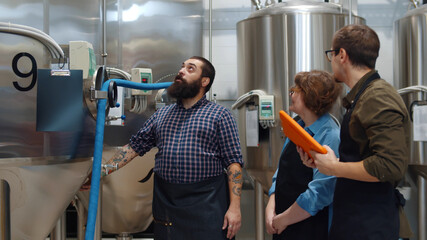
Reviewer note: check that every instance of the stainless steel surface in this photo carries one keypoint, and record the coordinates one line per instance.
(126, 203)
(259, 211)
(44, 169)
(410, 66)
(18, 136)
(210, 42)
(104, 53)
(410, 49)
(422, 209)
(59, 232)
(153, 34)
(81, 218)
(42, 192)
(4, 210)
(124, 236)
(273, 44)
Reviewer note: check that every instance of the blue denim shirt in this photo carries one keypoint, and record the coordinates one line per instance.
(320, 191)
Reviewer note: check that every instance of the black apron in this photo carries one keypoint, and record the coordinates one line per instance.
(191, 211)
(292, 180)
(362, 210)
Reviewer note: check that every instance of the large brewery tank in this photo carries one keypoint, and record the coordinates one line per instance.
(274, 44)
(410, 78)
(42, 169)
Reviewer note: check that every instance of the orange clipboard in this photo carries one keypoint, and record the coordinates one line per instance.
(298, 135)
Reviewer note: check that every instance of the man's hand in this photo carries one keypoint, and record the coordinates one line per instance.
(232, 221)
(233, 217)
(87, 183)
(325, 162)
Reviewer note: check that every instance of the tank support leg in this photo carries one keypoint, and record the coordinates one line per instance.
(59, 232)
(4, 210)
(259, 211)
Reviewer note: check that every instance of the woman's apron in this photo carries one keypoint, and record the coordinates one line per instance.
(292, 180)
(190, 211)
(362, 210)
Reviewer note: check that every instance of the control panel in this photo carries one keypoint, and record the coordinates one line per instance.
(82, 57)
(266, 107)
(141, 75)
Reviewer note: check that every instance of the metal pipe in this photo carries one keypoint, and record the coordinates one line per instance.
(59, 231)
(421, 208)
(210, 42)
(5, 232)
(259, 211)
(104, 33)
(81, 215)
(257, 4)
(350, 10)
(124, 236)
(98, 223)
(53, 47)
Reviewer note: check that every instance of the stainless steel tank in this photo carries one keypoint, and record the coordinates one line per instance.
(45, 169)
(410, 64)
(273, 44)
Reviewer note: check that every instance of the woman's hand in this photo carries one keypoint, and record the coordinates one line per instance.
(270, 213)
(306, 160)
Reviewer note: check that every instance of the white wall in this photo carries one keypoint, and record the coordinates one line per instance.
(225, 15)
(380, 15)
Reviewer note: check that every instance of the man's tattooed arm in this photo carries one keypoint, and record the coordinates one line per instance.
(235, 179)
(120, 159)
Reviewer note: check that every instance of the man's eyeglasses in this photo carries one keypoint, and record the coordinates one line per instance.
(328, 54)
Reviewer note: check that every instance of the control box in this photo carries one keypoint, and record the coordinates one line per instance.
(141, 75)
(82, 57)
(266, 107)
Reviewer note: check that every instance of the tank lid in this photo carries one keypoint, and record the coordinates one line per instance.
(417, 11)
(300, 7)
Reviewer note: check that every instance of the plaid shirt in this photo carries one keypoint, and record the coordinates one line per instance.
(194, 144)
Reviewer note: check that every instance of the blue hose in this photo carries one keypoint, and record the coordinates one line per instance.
(99, 140)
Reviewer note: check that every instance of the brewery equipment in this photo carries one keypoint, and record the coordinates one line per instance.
(410, 78)
(274, 44)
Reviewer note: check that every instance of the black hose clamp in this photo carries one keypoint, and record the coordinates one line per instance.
(112, 94)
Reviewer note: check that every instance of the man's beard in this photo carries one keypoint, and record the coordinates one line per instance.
(183, 89)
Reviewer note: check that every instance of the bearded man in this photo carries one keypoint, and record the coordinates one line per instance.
(198, 167)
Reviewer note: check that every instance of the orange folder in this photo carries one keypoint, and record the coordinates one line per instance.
(298, 135)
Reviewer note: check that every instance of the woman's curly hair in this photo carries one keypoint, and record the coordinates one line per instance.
(319, 90)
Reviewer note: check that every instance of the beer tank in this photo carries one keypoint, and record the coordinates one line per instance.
(273, 44)
(410, 78)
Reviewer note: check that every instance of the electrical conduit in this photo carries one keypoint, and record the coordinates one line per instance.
(99, 140)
